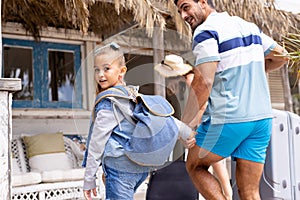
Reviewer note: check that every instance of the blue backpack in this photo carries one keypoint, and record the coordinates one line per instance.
(155, 131)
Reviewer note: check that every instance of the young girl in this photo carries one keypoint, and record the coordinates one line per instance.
(122, 176)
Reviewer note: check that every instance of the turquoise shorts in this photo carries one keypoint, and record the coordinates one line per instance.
(246, 140)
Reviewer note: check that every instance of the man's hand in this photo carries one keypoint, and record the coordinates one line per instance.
(190, 142)
(276, 58)
(87, 193)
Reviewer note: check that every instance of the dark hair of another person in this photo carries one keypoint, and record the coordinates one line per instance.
(209, 2)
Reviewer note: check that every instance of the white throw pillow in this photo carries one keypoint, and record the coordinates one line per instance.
(48, 162)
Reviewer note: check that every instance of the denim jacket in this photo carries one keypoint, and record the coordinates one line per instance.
(111, 130)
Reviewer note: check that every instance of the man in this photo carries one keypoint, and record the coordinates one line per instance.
(232, 56)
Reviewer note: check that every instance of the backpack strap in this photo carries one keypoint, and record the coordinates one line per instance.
(115, 92)
(156, 104)
(112, 92)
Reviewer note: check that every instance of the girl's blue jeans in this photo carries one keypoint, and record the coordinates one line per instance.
(122, 185)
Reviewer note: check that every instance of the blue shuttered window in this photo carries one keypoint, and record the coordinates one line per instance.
(50, 73)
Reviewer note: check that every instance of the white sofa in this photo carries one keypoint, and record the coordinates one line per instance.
(49, 184)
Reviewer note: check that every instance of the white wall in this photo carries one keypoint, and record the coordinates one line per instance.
(289, 5)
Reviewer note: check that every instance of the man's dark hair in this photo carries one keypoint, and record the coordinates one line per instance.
(209, 2)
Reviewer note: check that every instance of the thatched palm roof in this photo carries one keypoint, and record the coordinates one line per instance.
(34, 15)
(108, 17)
(103, 17)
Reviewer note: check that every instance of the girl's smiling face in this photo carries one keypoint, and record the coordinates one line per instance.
(108, 74)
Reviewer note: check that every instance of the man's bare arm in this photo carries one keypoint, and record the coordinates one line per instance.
(200, 89)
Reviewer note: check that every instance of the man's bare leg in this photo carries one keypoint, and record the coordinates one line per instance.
(248, 176)
(204, 181)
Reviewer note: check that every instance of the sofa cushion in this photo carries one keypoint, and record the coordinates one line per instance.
(48, 162)
(62, 175)
(44, 143)
(46, 151)
(29, 178)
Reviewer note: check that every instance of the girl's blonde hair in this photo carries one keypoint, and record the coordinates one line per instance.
(110, 53)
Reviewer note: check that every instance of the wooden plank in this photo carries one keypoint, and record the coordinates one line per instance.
(10, 84)
(37, 126)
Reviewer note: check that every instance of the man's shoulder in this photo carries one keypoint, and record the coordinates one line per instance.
(225, 26)
(214, 22)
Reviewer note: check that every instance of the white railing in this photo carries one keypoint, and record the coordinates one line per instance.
(7, 87)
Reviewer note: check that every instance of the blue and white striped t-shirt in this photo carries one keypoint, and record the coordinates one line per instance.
(240, 90)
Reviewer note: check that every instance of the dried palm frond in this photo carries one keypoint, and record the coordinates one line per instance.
(78, 14)
(292, 44)
(272, 21)
(144, 13)
(34, 15)
(104, 20)
(82, 15)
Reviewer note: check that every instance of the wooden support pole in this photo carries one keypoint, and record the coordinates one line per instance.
(0, 44)
(288, 101)
(158, 56)
(7, 86)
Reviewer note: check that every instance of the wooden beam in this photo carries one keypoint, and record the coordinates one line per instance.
(11, 29)
(10, 84)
